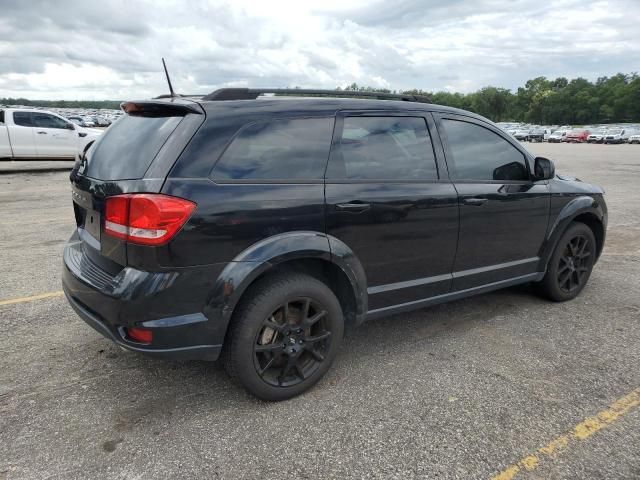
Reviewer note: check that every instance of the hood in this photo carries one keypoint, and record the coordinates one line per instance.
(576, 185)
(92, 131)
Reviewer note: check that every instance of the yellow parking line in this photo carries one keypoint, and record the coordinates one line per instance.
(581, 431)
(32, 298)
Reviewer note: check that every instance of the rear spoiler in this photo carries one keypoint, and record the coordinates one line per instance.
(155, 108)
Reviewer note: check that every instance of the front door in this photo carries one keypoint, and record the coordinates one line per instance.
(503, 212)
(53, 136)
(388, 202)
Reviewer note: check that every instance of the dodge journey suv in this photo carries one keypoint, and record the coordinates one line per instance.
(256, 228)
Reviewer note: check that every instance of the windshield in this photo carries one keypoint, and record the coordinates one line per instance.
(128, 147)
(614, 132)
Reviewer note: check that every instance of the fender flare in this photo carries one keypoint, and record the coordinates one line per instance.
(577, 206)
(240, 273)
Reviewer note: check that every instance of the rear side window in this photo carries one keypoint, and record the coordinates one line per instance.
(288, 149)
(125, 151)
(480, 154)
(22, 118)
(384, 148)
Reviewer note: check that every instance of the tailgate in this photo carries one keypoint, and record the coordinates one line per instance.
(134, 155)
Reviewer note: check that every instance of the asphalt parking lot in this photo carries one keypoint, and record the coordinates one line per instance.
(501, 384)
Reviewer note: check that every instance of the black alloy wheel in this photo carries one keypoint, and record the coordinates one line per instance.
(283, 336)
(570, 264)
(293, 342)
(574, 264)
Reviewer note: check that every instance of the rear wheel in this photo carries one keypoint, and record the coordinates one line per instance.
(570, 265)
(284, 336)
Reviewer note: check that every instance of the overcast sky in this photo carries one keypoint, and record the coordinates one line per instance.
(111, 49)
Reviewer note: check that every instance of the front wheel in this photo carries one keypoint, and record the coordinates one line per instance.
(284, 336)
(570, 265)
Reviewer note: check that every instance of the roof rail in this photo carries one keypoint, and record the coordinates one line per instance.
(253, 93)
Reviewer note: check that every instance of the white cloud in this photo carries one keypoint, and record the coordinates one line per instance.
(79, 50)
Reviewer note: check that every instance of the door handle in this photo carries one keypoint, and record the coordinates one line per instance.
(476, 202)
(42, 133)
(353, 207)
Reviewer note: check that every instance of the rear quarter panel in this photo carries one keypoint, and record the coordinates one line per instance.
(5, 145)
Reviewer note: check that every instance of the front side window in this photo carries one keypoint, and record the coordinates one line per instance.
(480, 154)
(22, 118)
(384, 148)
(285, 149)
(44, 120)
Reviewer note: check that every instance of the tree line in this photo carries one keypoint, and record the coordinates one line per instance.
(542, 101)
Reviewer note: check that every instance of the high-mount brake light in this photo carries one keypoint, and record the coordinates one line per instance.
(146, 218)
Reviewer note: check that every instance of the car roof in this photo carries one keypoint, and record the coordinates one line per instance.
(297, 106)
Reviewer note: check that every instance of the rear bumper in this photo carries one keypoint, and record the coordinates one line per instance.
(170, 304)
(204, 352)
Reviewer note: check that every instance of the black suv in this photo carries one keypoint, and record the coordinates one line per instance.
(258, 227)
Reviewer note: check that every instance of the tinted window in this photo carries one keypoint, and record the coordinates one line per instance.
(44, 120)
(384, 148)
(128, 147)
(22, 118)
(480, 154)
(279, 149)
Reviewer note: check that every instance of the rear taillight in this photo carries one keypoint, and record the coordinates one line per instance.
(139, 335)
(145, 218)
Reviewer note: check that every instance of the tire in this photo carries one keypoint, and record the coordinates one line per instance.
(276, 360)
(570, 265)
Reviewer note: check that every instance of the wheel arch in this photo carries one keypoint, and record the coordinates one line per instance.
(584, 209)
(88, 146)
(319, 255)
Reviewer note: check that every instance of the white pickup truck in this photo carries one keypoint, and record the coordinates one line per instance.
(29, 133)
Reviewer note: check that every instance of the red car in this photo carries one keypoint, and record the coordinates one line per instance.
(576, 136)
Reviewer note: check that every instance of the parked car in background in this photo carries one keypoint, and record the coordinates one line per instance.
(577, 135)
(596, 135)
(522, 134)
(366, 218)
(89, 122)
(634, 139)
(78, 121)
(557, 136)
(101, 121)
(29, 133)
(538, 135)
(616, 135)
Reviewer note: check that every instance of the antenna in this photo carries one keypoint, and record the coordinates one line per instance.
(168, 79)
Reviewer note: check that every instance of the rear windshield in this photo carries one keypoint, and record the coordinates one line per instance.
(127, 148)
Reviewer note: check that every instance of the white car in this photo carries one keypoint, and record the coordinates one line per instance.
(617, 135)
(634, 139)
(557, 136)
(30, 133)
(597, 135)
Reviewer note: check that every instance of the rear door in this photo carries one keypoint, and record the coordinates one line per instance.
(503, 213)
(22, 136)
(389, 200)
(54, 136)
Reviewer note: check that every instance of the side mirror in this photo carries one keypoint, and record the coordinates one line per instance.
(543, 169)
(70, 126)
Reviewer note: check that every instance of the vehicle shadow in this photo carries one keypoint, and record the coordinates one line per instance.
(203, 387)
